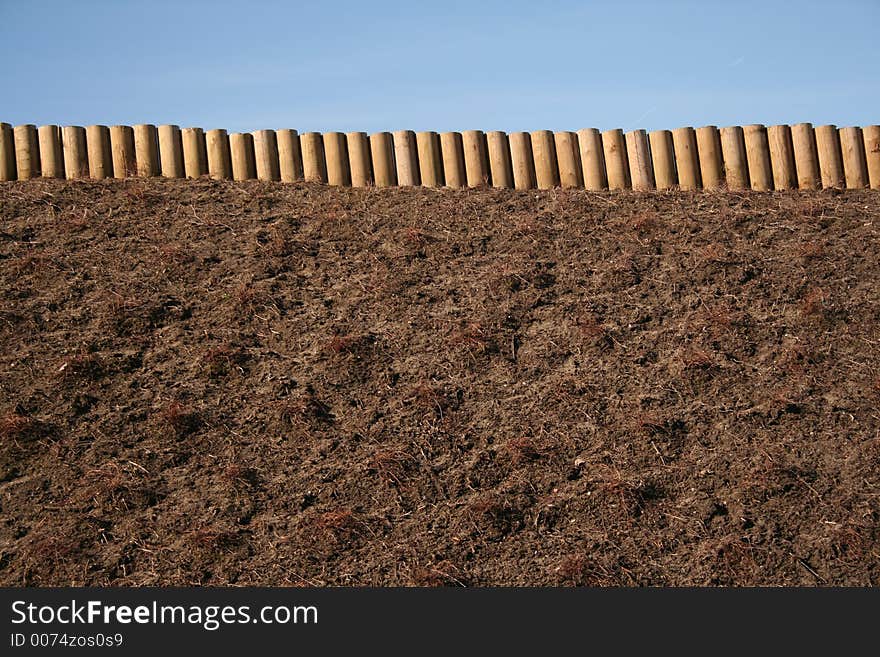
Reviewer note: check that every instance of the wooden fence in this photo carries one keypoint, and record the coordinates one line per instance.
(735, 158)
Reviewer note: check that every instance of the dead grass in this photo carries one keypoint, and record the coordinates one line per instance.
(14, 426)
(179, 419)
(392, 466)
(582, 570)
(696, 358)
(524, 449)
(221, 360)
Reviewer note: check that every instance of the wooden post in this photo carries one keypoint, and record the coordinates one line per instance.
(100, 152)
(359, 159)
(336, 156)
(7, 153)
(855, 166)
(687, 162)
(522, 160)
(614, 146)
(782, 157)
(476, 158)
(546, 164)
(663, 158)
(430, 159)
(241, 148)
(407, 158)
(195, 152)
(51, 156)
(500, 164)
(290, 164)
(639, 161)
(592, 159)
(830, 157)
(871, 134)
(171, 151)
(452, 148)
(382, 150)
(806, 157)
(314, 164)
(27, 151)
(266, 155)
(568, 159)
(219, 157)
(122, 148)
(76, 158)
(736, 164)
(709, 149)
(758, 156)
(146, 149)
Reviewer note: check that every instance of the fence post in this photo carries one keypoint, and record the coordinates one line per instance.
(500, 166)
(430, 159)
(314, 163)
(709, 150)
(51, 157)
(407, 158)
(452, 148)
(522, 160)
(146, 148)
(592, 159)
(7, 153)
(687, 162)
(100, 152)
(359, 159)
(830, 157)
(546, 163)
(73, 143)
(266, 155)
(122, 149)
(871, 134)
(663, 158)
(614, 146)
(476, 158)
(855, 166)
(782, 157)
(639, 157)
(806, 157)
(382, 150)
(241, 148)
(336, 157)
(219, 157)
(290, 165)
(733, 151)
(171, 151)
(568, 160)
(195, 152)
(758, 156)
(27, 151)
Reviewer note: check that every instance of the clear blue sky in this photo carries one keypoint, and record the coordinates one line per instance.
(446, 65)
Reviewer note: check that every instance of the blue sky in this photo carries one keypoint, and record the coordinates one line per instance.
(446, 65)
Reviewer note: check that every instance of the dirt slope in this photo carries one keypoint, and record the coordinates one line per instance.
(245, 383)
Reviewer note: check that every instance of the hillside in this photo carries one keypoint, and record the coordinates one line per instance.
(252, 383)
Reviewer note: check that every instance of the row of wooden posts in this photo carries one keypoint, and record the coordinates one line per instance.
(736, 158)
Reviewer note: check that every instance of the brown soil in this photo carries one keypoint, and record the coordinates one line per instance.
(246, 383)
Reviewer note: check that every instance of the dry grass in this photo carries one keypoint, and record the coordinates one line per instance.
(14, 426)
(179, 419)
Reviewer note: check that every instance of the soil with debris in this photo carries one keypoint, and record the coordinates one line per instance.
(216, 383)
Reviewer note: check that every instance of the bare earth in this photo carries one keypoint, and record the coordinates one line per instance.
(249, 383)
